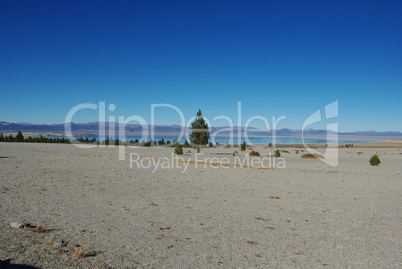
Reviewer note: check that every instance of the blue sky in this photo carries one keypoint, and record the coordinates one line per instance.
(276, 57)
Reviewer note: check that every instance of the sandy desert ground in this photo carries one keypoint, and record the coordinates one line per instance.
(307, 215)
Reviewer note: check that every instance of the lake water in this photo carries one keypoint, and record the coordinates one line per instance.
(252, 140)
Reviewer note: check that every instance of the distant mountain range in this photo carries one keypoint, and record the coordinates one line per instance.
(92, 129)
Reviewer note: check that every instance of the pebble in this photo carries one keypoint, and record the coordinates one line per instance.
(17, 225)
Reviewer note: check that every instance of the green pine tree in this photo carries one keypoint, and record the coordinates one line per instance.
(199, 130)
(19, 137)
(243, 146)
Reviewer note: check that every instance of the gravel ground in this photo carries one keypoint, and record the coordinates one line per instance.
(306, 214)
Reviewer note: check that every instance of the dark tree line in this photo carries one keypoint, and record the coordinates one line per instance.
(108, 141)
(41, 139)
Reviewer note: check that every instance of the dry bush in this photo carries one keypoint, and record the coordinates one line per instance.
(49, 241)
(284, 151)
(38, 229)
(254, 153)
(312, 156)
(80, 252)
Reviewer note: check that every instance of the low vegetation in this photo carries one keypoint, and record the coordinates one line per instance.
(375, 160)
(243, 146)
(80, 252)
(277, 153)
(254, 153)
(38, 229)
(312, 156)
(178, 149)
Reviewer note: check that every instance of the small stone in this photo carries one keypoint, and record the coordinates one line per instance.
(90, 253)
(60, 244)
(17, 225)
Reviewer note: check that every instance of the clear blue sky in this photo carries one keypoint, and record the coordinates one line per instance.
(276, 57)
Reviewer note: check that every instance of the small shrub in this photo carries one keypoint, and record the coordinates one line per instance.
(211, 145)
(49, 241)
(38, 229)
(254, 153)
(178, 149)
(297, 152)
(80, 252)
(277, 153)
(312, 156)
(235, 153)
(243, 146)
(375, 160)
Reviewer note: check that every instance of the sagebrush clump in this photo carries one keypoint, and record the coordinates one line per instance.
(277, 153)
(375, 160)
(312, 156)
(80, 252)
(178, 149)
(254, 153)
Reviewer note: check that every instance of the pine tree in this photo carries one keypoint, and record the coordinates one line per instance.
(19, 137)
(243, 146)
(199, 130)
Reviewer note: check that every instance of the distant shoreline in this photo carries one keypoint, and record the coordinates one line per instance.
(340, 136)
(361, 140)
